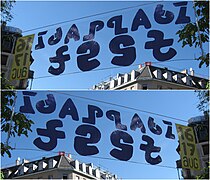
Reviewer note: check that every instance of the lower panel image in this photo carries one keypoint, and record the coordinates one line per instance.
(103, 134)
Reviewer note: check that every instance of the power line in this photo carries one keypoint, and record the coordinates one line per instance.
(94, 15)
(108, 68)
(114, 104)
(78, 72)
(98, 157)
(31, 159)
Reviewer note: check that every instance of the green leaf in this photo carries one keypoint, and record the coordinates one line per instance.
(21, 125)
(198, 12)
(11, 102)
(188, 34)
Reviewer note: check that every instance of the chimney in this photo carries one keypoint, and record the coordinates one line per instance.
(184, 71)
(140, 66)
(61, 153)
(69, 156)
(148, 63)
(192, 73)
(18, 161)
(25, 161)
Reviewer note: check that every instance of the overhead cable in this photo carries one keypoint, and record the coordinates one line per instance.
(99, 157)
(108, 68)
(114, 104)
(94, 15)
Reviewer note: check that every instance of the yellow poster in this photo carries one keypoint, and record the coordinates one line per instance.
(21, 61)
(188, 150)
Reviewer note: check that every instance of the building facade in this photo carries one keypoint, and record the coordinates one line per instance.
(9, 36)
(151, 77)
(57, 167)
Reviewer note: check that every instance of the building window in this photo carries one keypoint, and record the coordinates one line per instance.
(50, 177)
(205, 149)
(4, 59)
(7, 44)
(65, 176)
(202, 133)
(144, 86)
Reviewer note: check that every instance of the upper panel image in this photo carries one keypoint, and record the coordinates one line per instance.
(105, 45)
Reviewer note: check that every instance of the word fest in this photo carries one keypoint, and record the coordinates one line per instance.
(121, 45)
(88, 135)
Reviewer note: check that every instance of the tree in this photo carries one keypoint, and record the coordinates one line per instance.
(203, 104)
(204, 101)
(6, 7)
(2, 175)
(190, 34)
(21, 125)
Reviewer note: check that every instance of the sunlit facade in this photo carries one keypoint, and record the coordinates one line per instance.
(148, 77)
(61, 166)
